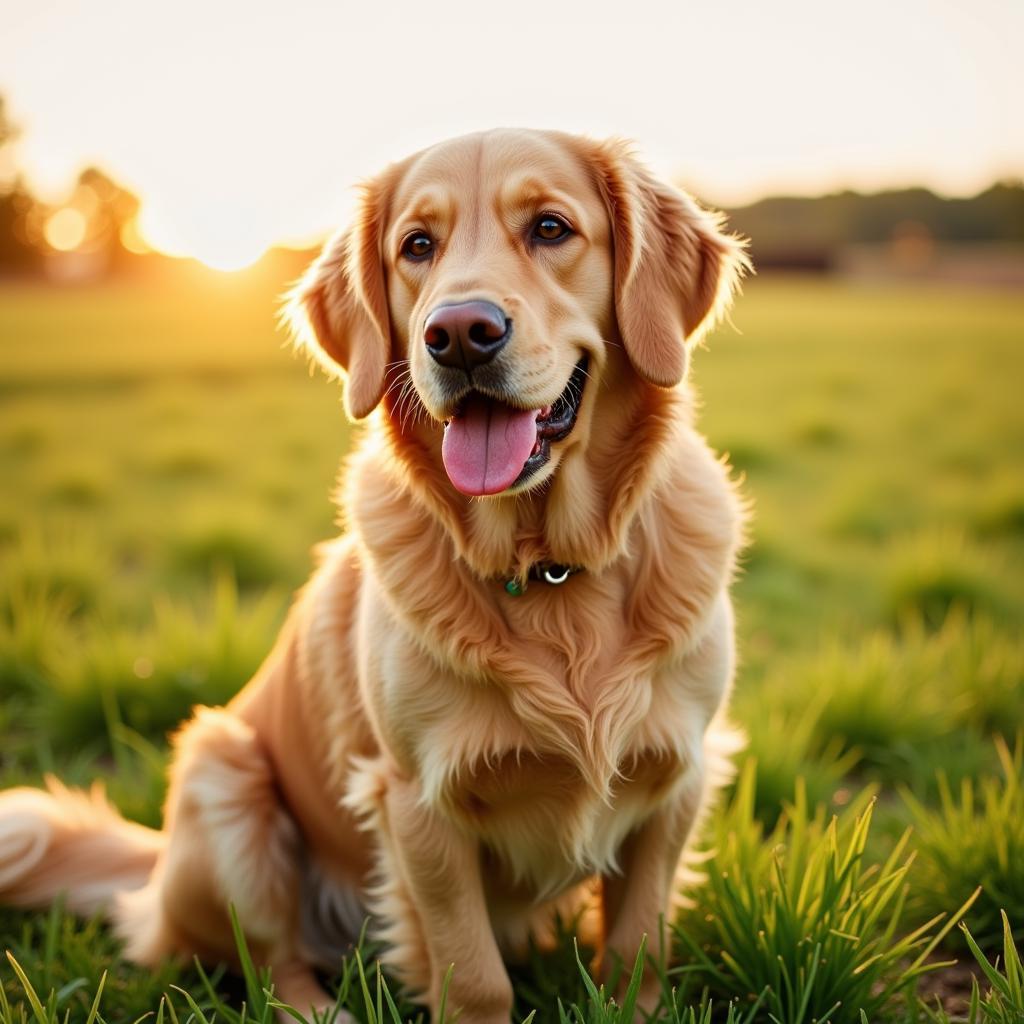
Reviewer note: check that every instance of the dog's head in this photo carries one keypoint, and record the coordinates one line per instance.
(505, 272)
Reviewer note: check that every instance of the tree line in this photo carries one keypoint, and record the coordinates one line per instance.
(785, 228)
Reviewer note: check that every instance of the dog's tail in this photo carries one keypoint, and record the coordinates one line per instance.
(67, 842)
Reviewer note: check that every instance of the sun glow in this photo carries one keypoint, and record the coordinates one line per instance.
(212, 240)
(225, 256)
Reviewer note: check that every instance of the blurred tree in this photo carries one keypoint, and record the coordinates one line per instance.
(813, 230)
(107, 209)
(83, 236)
(17, 254)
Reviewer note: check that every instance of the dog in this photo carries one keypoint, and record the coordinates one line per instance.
(501, 696)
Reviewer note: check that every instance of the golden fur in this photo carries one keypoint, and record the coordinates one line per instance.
(419, 744)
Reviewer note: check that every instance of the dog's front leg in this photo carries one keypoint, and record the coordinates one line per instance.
(637, 902)
(439, 865)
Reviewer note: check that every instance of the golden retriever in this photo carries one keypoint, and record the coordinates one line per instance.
(501, 694)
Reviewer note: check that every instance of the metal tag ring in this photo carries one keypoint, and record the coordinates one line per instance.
(556, 574)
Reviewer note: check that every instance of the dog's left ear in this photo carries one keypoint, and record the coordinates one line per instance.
(675, 268)
(338, 311)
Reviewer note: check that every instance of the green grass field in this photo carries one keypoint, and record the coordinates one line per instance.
(167, 465)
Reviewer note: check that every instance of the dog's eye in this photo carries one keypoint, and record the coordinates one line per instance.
(417, 246)
(550, 228)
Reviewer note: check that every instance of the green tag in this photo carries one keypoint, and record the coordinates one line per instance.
(513, 587)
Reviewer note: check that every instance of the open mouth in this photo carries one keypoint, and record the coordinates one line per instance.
(490, 446)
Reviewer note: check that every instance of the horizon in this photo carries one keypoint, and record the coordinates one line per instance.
(179, 109)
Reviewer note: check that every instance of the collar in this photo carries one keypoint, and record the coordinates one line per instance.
(552, 573)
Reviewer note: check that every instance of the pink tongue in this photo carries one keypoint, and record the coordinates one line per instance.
(486, 446)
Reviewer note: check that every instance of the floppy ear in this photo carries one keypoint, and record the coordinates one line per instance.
(675, 268)
(338, 311)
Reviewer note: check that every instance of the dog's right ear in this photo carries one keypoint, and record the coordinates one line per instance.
(338, 311)
(675, 266)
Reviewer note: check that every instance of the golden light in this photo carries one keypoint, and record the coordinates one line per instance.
(131, 237)
(65, 229)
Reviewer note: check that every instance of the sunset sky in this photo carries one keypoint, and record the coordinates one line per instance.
(244, 124)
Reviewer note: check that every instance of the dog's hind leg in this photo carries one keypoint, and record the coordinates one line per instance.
(231, 843)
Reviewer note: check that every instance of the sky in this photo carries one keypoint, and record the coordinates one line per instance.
(244, 124)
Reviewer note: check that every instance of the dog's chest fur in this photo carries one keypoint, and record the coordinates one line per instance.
(555, 764)
(546, 826)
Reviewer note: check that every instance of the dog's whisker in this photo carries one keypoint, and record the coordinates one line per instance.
(399, 380)
(408, 404)
(392, 387)
(404, 418)
(400, 401)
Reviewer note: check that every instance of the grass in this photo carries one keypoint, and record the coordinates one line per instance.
(367, 996)
(791, 749)
(931, 576)
(893, 707)
(62, 965)
(1003, 1003)
(800, 918)
(167, 467)
(975, 836)
(361, 992)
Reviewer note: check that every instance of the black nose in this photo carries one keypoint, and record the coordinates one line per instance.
(466, 334)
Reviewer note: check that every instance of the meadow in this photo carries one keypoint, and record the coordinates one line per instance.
(167, 464)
